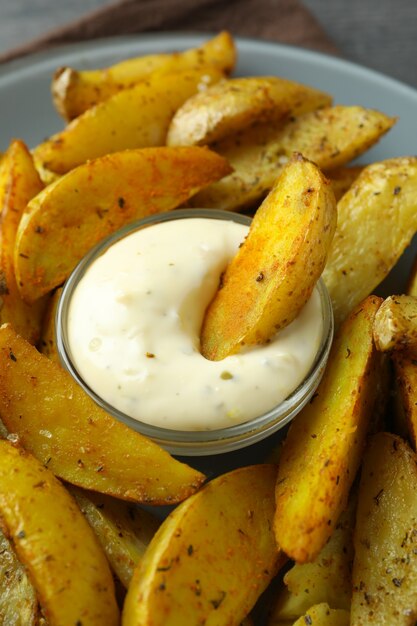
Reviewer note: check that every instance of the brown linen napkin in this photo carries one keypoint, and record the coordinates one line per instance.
(285, 21)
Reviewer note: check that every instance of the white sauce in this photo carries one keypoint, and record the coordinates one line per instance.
(134, 323)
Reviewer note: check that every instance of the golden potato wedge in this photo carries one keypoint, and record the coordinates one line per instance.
(19, 183)
(47, 343)
(70, 216)
(342, 179)
(18, 600)
(275, 270)
(212, 557)
(54, 542)
(330, 137)
(385, 563)
(377, 219)
(327, 579)
(323, 615)
(123, 530)
(232, 105)
(134, 118)
(78, 441)
(323, 449)
(74, 92)
(395, 326)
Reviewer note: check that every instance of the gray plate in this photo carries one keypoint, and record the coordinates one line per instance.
(27, 111)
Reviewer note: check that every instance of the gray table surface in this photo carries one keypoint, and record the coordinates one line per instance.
(381, 34)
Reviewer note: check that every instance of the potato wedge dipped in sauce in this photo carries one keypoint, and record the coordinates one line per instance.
(277, 267)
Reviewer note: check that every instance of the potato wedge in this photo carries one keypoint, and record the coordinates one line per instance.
(385, 563)
(212, 557)
(18, 600)
(377, 219)
(327, 579)
(70, 216)
(19, 183)
(330, 137)
(323, 615)
(123, 530)
(342, 179)
(134, 118)
(275, 270)
(323, 449)
(78, 441)
(74, 92)
(232, 105)
(54, 542)
(395, 326)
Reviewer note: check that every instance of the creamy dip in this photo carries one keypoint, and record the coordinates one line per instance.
(134, 323)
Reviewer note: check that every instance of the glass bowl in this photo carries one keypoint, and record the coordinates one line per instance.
(196, 443)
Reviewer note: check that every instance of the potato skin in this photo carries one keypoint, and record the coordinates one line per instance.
(325, 442)
(232, 105)
(55, 543)
(74, 92)
(275, 270)
(211, 558)
(19, 183)
(69, 433)
(70, 216)
(385, 564)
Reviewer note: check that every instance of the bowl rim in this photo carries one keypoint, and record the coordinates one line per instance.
(204, 442)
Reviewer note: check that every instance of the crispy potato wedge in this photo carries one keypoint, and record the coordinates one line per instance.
(134, 118)
(406, 395)
(395, 326)
(19, 183)
(275, 270)
(70, 216)
(327, 579)
(78, 441)
(18, 600)
(343, 178)
(54, 542)
(47, 343)
(232, 105)
(323, 449)
(74, 92)
(385, 563)
(377, 219)
(330, 137)
(323, 615)
(212, 557)
(123, 530)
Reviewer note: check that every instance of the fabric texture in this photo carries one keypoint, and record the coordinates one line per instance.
(284, 21)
